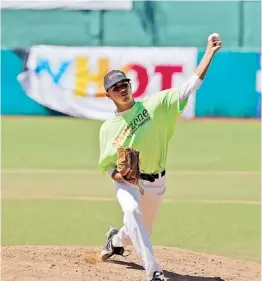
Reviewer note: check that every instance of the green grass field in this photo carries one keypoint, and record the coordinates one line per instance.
(53, 193)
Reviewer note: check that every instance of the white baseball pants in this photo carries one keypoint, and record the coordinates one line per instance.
(140, 212)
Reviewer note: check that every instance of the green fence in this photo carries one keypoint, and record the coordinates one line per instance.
(150, 23)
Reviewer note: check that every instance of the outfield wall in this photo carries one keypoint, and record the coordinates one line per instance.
(231, 88)
(149, 23)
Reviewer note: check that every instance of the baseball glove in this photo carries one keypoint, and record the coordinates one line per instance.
(128, 163)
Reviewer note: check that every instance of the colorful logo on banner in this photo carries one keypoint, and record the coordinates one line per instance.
(84, 77)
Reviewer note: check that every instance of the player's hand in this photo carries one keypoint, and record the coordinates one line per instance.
(120, 178)
(214, 43)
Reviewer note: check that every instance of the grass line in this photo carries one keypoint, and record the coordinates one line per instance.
(110, 199)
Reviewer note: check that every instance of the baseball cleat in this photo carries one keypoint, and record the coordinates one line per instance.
(158, 276)
(108, 249)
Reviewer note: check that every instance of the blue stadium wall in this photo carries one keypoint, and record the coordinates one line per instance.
(229, 89)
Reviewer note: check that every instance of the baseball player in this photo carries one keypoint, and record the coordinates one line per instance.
(147, 126)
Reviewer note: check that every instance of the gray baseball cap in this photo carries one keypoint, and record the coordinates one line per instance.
(113, 77)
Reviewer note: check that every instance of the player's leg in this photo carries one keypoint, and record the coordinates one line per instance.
(129, 197)
(134, 228)
(151, 201)
(149, 204)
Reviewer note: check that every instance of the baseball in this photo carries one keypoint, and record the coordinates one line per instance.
(213, 36)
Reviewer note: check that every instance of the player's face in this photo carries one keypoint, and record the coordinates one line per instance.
(121, 92)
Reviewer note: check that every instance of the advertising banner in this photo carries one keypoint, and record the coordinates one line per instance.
(70, 79)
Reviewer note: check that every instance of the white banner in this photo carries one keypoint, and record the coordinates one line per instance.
(70, 79)
(67, 4)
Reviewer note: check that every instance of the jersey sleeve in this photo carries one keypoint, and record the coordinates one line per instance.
(172, 102)
(169, 100)
(105, 159)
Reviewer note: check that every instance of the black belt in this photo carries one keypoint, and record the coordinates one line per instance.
(152, 177)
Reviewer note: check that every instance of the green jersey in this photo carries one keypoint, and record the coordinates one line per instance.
(147, 126)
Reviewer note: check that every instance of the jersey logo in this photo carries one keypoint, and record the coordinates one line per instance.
(139, 121)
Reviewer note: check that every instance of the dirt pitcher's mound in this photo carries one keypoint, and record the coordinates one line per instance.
(83, 263)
